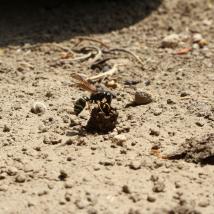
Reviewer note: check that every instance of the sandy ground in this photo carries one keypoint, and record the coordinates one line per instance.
(49, 164)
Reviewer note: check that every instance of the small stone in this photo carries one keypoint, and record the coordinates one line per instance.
(204, 203)
(3, 188)
(154, 132)
(63, 175)
(135, 165)
(68, 196)
(184, 94)
(199, 123)
(81, 203)
(42, 192)
(158, 187)
(197, 38)
(6, 128)
(170, 41)
(195, 46)
(49, 94)
(38, 108)
(20, 178)
(12, 171)
(52, 139)
(119, 139)
(157, 111)
(177, 184)
(126, 189)
(170, 102)
(68, 184)
(151, 198)
(92, 210)
(3, 175)
(142, 98)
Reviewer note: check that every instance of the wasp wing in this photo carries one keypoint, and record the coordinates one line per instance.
(83, 83)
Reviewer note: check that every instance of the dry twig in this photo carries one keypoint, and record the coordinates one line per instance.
(90, 39)
(125, 51)
(110, 72)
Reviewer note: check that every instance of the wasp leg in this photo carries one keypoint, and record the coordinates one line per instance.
(100, 106)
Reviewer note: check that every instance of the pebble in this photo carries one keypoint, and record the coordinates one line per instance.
(204, 203)
(170, 41)
(81, 203)
(142, 97)
(68, 184)
(38, 108)
(20, 178)
(197, 37)
(170, 102)
(3, 175)
(126, 189)
(119, 139)
(135, 165)
(3, 188)
(52, 139)
(92, 210)
(154, 132)
(12, 171)
(68, 196)
(6, 128)
(151, 198)
(200, 123)
(63, 175)
(159, 187)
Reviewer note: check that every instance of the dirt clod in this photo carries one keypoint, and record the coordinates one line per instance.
(196, 150)
(102, 122)
(142, 97)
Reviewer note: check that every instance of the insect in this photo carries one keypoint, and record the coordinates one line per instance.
(102, 97)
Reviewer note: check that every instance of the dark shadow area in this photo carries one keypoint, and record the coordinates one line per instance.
(43, 21)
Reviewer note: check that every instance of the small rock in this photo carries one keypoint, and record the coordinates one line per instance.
(199, 123)
(63, 175)
(184, 94)
(177, 184)
(126, 189)
(68, 196)
(52, 139)
(204, 203)
(3, 175)
(38, 108)
(135, 165)
(12, 171)
(3, 188)
(6, 128)
(197, 38)
(49, 94)
(68, 184)
(170, 102)
(151, 198)
(170, 41)
(92, 210)
(20, 178)
(142, 98)
(154, 132)
(81, 203)
(119, 139)
(159, 187)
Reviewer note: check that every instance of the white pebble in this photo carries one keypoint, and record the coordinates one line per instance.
(197, 37)
(38, 108)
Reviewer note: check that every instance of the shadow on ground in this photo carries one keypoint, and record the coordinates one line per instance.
(40, 21)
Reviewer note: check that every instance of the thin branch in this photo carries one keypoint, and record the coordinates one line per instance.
(125, 51)
(110, 72)
(92, 40)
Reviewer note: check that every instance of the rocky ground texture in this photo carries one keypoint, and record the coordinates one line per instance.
(158, 159)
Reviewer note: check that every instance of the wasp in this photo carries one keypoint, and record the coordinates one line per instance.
(100, 97)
